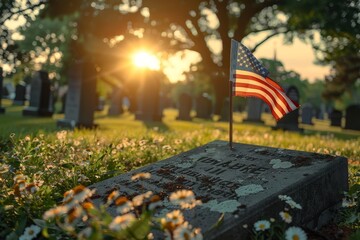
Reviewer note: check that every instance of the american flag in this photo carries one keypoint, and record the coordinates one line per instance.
(250, 79)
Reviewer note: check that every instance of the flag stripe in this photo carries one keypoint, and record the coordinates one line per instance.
(276, 102)
(285, 102)
(261, 96)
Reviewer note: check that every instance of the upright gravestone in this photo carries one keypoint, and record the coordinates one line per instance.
(116, 106)
(307, 112)
(335, 118)
(80, 97)
(2, 110)
(184, 106)
(149, 108)
(40, 104)
(20, 94)
(203, 107)
(290, 122)
(352, 117)
(254, 110)
(240, 185)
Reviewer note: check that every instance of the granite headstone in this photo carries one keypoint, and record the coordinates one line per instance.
(203, 106)
(184, 106)
(254, 110)
(290, 122)
(2, 110)
(335, 118)
(80, 97)
(352, 117)
(116, 104)
(149, 108)
(243, 184)
(307, 112)
(40, 104)
(20, 94)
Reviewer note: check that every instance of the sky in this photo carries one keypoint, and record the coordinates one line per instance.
(298, 57)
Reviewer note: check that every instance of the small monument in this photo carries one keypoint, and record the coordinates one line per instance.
(254, 110)
(290, 122)
(40, 104)
(185, 106)
(2, 110)
(307, 113)
(20, 94)
(242, 185)
(352, 117)
(335, 118)
(80, 97)
(116, 105)
(149, 108)
(203, 106)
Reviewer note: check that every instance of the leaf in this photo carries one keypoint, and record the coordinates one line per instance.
(41, 223)
(220, 221)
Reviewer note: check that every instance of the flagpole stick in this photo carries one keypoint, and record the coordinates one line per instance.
(231, 115)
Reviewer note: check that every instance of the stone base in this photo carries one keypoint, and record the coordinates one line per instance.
(2, 110)
(242, 183)
(65, 123)
(30, 111)
(259, 121)
(18, 103)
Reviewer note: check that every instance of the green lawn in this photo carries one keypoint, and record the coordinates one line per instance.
(56, 160)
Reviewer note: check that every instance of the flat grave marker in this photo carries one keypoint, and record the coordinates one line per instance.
(243, 184)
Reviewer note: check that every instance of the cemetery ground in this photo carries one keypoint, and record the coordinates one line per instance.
(49, 161)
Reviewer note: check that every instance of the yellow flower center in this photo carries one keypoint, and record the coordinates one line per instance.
(296, 237)
(262, 226)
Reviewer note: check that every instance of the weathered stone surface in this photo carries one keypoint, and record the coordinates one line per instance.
(243, 183)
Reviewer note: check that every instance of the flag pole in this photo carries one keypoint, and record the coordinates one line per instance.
(230, 115)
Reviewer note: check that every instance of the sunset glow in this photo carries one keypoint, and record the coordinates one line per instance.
(144, 59)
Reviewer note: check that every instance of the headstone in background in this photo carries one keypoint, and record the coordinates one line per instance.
(307, 113)
(335, 118)
(254, 110)
(225, 111)
(290, 122)
(40, 104)
(63, 103)
(20, 94)
(149, 108)
(184, 107)
(243, 184)
(8, 91)
(100, 103)
(352, 117)
(203, 106)
(2, 110)
(80, 97)
(116, 103)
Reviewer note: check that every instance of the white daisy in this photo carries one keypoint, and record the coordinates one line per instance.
(142, 175)
(295, 233)
(286, 217)
(262, 225)
(122, 222)
(30, 233)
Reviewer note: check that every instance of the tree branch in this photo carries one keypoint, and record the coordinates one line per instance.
(267, 38)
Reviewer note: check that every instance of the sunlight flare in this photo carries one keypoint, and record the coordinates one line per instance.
(144, 59)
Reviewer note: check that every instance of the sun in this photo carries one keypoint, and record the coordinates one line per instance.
(143, 59)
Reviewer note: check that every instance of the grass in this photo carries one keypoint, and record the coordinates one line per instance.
(35, 150)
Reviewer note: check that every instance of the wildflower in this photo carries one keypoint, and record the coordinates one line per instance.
(4, 168)
(172, 220)
(155, 201)
(185, 232)
(81, 193)
(142, 175)
(61, 136)
(30, 232)
(290, 201)
(295, 233)
(112, 196)
(73, 214)
(139, 199)
(54, 212)
(124, 205)
(122, 222)
(166, 147)
(182, 196)
(346, 203)
(31, 188)
(285, 216)
(262, 225)
(19, 177)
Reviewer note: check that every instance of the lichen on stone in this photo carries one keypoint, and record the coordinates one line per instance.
(227, 206)
(248, 189)
(277, 163)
